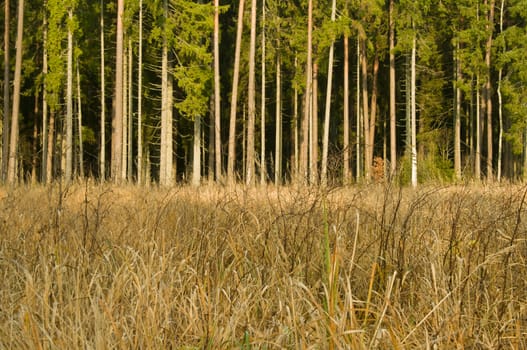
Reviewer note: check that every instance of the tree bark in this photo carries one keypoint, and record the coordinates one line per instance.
(13, 147)
(365, 110)
(313, 128)
(500, 103)
(304, 136)
(487, 89)
(117, 120)
(457, 117)
(393, 111)
(69, 102)
(234, 97)
(217, 93)
(413, 114)
(346, 115)
(44, 101)
(102, 147)
(263, 165)
(130, 109)
(79, 119)
(250, 165)
(196, 153)
(5, 123)
(325, 144)
(140, 99)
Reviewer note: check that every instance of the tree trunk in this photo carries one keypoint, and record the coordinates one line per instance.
(79, 111)
(250, 166)
(393, 111)
(196, 153)
(69, 103)
(5, 123)
(102, 155)
(477, 158)
(13, 147)
(34, 142)
(140, 99)
(130, 109)
(365, 110)
(43, 164)
(413, 114)
(278, 133)
(124, 159)
(325, 143)
(487, 89)
(313, 128)
(263, 165)
(234, 96)
(457, 117)
(165, 172)
(51, 147)
(217, 93)
(359, 115)
(295, 138)
(346, 115)
(304, 136)
(500, 103)
(373, 109)
(117, 120)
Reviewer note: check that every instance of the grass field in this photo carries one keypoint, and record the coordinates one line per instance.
(369, 267)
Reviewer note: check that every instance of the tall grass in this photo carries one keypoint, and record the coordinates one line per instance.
(371, 267)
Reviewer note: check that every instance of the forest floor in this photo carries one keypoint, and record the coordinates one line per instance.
(365, 267)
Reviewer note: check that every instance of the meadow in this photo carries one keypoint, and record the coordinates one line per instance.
(89, 266)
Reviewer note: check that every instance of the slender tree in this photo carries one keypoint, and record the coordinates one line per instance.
(393, 111)
(117, 119)
(69, 100)
(250, 163)
(13, 144)
(5, 123)
(263, 165)
(102, 146)
(234, 96)
(304, 135)
(217, 93)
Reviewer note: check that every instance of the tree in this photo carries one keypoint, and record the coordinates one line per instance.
(5, 123)
(217, 93)
(13, 144)
(117, 118)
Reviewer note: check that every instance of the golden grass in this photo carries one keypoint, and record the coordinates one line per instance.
(368, 267)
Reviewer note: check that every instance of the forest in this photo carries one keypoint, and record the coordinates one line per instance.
(269, 91)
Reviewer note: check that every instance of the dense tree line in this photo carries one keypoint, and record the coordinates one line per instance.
(310, 91)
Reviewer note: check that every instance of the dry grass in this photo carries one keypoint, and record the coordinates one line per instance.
(101, 267)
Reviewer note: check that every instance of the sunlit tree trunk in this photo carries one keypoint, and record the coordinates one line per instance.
(13, 146)
(500, 103)
(234, 96)
(250, 164)
(217, 93)
(124, 159)
(359, 156)
(487, 89)
(365, 110)
(325, 144)
(477, 158)
(263, 165)
(393, 111)
(196, 153)
(278, 132)
(457, 117)
(165, 171)
(43, 174)
(117, 120)
(313, 128)
(79, 119)
(140, 99)
(413, 114)
(5, 123)
(130, 109)
(102, 147)
(346, 116)
(69, 102)
(304, 136)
